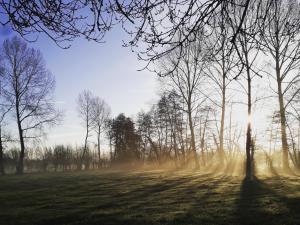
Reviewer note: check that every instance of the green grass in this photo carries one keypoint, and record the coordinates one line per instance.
(143, 198)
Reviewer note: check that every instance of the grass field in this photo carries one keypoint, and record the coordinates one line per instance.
(154, 197)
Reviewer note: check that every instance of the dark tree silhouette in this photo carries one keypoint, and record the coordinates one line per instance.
(29, 90)
(125, 139)
(62, 21)
(155, 23)
(247, 50)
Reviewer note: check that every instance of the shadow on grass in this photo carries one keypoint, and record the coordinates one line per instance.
(148, 198)
(262, 202)
(181, 200)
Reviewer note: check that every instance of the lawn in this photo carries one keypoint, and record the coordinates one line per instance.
(151, 197)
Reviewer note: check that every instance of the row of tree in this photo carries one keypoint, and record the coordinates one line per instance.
(206, 47)
(54, 159)
(238, 46)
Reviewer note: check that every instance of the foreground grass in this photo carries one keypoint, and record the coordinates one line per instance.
(147, 198)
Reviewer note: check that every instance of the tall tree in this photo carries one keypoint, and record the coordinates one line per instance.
(145, 130)
(100, 115)
(247, 51)
(186, 79)
(221, 69)
(280, 37)
(85, 111)
(125, 139)
(29, 90)
(205, 113)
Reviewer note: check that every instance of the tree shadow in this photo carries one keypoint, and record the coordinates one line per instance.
(185, 200)
(260, 203)
(153, 198)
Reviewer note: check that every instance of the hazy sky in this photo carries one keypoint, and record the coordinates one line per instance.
(108, 70)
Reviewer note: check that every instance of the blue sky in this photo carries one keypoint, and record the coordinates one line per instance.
(108, 70)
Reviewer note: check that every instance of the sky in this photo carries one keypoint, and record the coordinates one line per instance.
(108, 70)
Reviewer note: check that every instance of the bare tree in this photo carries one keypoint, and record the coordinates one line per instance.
(29, 90)
(247, 51)
(204, 120)
(61, 21)
(280, 37)
(155, 23)
(221, 69)
(85, 111)
(186, 80)
(100, 115)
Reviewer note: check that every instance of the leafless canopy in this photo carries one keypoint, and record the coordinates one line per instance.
(153, 23)
(28, 90)
(29, 86)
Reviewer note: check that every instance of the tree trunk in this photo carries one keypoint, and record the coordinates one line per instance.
(285, 147)
(222, 123)
(154, 147)
(175, 148)
(110, 149)
(173, 125)
(202, 141)
(99, 147)
(2, 171)
(248, 152)
(85, 148)
(193, 145)
(202, 145)
(249, 164)
(20, 166)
